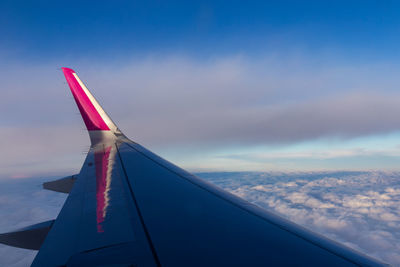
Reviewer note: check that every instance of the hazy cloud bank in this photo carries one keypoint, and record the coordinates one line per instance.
(168, 101)
(230, 99)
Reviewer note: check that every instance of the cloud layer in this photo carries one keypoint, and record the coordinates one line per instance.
(172, 101)
(358, 209)
(232, 98)
(23, 202)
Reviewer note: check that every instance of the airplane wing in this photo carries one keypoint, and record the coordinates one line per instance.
(129, 207)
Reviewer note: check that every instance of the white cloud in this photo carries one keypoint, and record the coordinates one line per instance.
(359, 209)
(23, 202)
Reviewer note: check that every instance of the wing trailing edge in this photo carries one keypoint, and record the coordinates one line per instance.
(30, 237)
(63, 185)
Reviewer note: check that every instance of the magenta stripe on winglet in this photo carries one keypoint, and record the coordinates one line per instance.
(91, 117)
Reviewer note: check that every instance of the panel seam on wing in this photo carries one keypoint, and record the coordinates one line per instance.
(153, 250)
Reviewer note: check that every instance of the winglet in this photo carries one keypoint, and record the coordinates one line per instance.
(98, 123)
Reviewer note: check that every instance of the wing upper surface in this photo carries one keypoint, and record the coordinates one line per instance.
(193, 223)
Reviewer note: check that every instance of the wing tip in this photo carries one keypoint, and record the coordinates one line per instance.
(69, 70)
(97, 122)
(88, 106)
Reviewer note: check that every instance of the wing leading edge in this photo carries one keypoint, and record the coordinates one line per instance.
(129, 207)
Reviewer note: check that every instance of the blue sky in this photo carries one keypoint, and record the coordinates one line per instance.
(50, 29)
(211, 85)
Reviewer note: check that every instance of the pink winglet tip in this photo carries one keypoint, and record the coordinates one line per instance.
(91, 117)
(64, 69)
